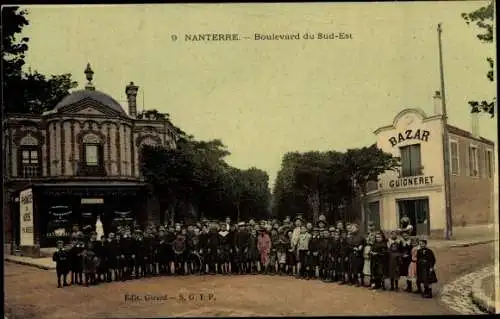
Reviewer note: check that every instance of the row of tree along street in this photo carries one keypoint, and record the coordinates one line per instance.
(328, 183)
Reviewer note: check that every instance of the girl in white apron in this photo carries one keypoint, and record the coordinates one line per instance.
(366, 256)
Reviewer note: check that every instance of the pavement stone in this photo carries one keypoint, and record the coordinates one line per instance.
(457, 294)
(480, 298)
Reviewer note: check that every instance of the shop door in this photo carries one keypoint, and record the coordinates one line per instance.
(417, 210)
(373, 214)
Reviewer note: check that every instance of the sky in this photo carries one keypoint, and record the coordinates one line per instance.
(264, 98)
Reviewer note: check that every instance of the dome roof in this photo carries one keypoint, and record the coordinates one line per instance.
(98, 96)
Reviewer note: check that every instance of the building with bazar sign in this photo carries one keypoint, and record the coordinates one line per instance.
(417, 189)
(76, 162)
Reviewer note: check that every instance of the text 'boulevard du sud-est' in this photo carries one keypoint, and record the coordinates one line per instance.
(224, 37)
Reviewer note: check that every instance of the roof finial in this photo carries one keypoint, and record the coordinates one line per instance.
(90, 76)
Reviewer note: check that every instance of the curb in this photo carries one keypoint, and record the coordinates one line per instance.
(25, 263)
(480, 299)
(472, 243)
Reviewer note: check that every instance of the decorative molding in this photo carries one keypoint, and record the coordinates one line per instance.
(140, 140)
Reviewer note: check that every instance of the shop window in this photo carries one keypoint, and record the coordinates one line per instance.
(411, 164)
(454, 158)
(473, 161)
(29, 162)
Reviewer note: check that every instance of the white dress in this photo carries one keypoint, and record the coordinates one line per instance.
(99, 229)
(367, 263)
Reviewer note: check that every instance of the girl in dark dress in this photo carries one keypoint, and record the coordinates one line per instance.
(378, 260)
(406, 247)
(394, 260)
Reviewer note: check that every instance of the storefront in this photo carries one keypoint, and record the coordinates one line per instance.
(47, 212)
(416, 189)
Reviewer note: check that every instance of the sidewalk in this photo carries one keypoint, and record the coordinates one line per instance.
(483, 293)
(42, 263)
(466, 236)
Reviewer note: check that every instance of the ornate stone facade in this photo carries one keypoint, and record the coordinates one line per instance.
(87, 136)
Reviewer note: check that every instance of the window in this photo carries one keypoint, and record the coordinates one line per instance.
(29, 163)
(410, 160)
(489, 163)
(91, 156)
(473, 161)
(454, 157)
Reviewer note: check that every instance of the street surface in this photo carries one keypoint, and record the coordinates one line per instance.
(32, 293)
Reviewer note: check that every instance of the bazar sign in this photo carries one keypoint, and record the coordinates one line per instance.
(421, 135)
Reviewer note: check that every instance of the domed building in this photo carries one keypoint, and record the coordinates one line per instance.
(76, 162)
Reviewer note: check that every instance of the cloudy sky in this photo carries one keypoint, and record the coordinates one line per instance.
(266, 98)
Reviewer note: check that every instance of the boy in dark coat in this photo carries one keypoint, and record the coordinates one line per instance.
(314, 251)
(241, 242)
(62, 259)
(76, 263)
(109, 251)
(344, 254)
(426, 260)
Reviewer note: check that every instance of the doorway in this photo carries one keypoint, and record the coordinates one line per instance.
(417, 210)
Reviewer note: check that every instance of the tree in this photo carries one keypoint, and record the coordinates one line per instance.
(23, 92)
(366, 164)
(316, 183)
(483, 18)
(193, 180)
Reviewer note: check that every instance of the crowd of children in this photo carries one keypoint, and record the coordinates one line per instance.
(333, 254)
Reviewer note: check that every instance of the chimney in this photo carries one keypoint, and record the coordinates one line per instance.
(475, 124)
(437, 103)
(131, 91)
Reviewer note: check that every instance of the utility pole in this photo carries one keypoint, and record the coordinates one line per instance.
(446, 144)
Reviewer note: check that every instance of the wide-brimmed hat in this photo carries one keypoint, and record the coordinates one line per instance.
(240, 224)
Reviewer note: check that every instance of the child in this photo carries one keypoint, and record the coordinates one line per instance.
(303, 249)
(324, 254)
(378, 260)
(61, 258)
(366, 256)
(253, 253)
(89, 266)
(394, 260)
(282, 247)
(412, 270)
(406, 247)
(426, 275)
(344, 253)
(314, 251)
(264, 247)
(273, 256)
(76, 261)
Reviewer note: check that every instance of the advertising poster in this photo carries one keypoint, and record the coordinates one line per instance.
(26, 217)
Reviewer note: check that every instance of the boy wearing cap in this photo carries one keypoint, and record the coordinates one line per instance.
(62, 259)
